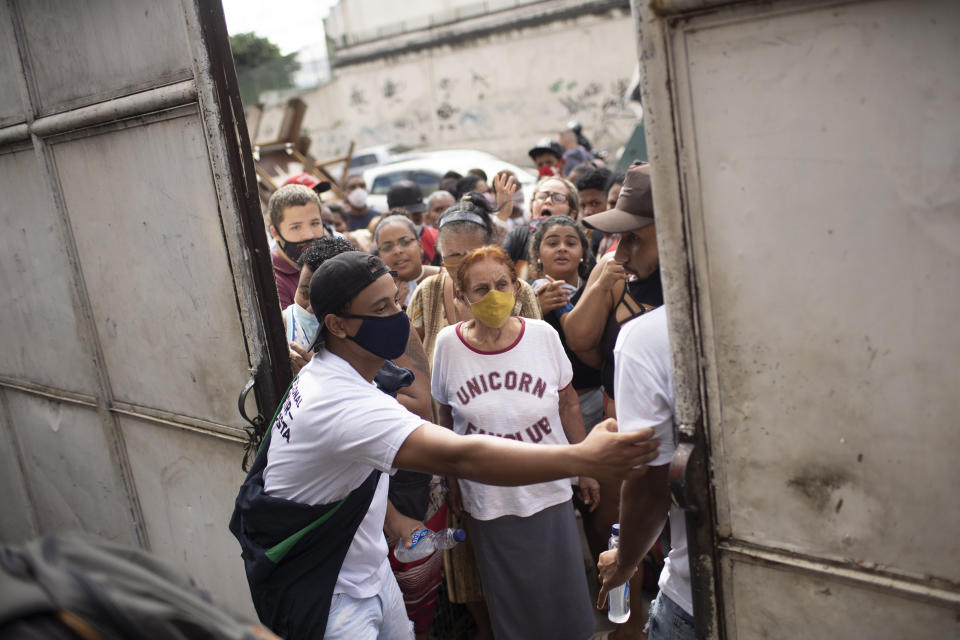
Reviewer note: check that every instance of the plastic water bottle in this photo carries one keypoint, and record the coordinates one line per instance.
(426, 542)
(618, 600)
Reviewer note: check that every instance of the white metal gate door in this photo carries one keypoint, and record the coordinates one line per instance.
(137, 292)
(806, 174)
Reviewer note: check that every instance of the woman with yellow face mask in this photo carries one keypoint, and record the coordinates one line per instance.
(492, 373)
(463, 227)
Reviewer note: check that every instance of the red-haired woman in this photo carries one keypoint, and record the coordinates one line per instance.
(490, 374)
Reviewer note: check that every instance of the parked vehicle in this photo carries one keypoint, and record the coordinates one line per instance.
(427, 168)
(374, 156)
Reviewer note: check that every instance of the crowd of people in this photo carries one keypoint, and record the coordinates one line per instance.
(449, 352)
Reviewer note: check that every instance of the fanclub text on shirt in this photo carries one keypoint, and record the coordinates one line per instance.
(285, 414)
(535, 432)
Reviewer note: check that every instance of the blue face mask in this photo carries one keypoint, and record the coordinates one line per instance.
(304, 323)
(383, 336)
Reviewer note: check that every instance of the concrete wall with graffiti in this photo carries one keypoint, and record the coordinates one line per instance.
(499, 93)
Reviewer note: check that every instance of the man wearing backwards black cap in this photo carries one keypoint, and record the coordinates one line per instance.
(328, 445)
(643, 382)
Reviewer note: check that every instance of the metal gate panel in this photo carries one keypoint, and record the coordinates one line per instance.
(166, 312)
(83, 52)
(37, 319)
(806, 175)
(11, 108)
(781, 606)
(827, 427)
(19, 521)
(191, 481)
(68, 470)
(132, 238)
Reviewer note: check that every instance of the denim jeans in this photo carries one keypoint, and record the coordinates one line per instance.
(668, 621)
(379, 617)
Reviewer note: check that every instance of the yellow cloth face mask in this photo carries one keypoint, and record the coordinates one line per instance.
(494, 308)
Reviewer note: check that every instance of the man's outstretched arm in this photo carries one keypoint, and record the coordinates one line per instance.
(604, 453)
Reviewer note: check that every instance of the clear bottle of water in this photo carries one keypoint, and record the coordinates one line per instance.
(426, 542)
(618, 600)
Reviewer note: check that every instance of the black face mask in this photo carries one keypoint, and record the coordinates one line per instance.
(383, 336)
(294, 249)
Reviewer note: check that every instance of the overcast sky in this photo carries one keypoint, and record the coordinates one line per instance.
(290, 24)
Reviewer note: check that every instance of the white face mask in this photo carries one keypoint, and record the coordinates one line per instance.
(357, 198)
(305, 325)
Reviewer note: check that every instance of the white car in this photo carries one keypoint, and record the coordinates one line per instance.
(374, 156)
(427, 168)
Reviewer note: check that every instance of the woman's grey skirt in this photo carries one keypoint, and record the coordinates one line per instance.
(533, 575)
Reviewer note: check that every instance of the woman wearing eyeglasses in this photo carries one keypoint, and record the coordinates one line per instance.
(464, 227)
(552, 196)
(399, 247)
(491, 373)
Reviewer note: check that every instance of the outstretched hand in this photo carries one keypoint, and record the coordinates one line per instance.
(612, 455)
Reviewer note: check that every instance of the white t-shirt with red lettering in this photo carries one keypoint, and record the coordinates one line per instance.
(513, 393)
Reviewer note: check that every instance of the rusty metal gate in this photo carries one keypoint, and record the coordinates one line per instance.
(806, 173)
(137, 292)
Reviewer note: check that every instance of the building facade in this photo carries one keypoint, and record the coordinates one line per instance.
(494, 76)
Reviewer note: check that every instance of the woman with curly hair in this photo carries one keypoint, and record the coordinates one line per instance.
(561, 261)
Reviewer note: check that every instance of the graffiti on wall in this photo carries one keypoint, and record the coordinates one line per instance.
(459, 110)
(468, 109)
(477, 98)
(603, 110)
(358, 98)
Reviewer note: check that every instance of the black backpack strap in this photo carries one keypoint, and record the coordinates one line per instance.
(293, 552)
